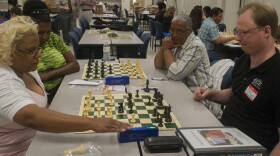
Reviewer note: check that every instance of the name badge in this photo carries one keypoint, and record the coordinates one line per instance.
(251, 92)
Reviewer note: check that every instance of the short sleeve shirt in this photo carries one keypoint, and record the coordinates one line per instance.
(52, 58)
(208, 32)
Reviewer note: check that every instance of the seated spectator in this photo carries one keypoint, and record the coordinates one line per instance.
(161, 12)
(206, 11)
(56, 59)
(209, 33)
(15, 11)
(167, 18)
(196, 16)
(184, 55)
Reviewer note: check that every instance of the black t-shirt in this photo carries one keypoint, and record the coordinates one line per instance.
(159, 15)
(166, 23)
(254, 107)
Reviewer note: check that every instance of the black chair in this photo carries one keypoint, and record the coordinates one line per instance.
(143, 50)
(78, 32)
(128, 16)
(79, 53)
(135, 26)
(222, 27)
(139, 32)
(158, 33)
(84, 24)
(126, 20)
(152, 31)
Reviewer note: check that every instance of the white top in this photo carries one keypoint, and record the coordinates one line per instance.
(14, 138)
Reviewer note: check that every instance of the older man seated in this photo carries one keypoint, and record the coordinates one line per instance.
(184, 55)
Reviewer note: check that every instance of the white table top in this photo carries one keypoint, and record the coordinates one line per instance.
(109, 16)
(189, 113)
(95, 39)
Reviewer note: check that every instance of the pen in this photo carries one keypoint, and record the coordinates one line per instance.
(159, 79)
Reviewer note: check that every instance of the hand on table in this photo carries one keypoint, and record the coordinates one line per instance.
(200, 93)
(101, 125)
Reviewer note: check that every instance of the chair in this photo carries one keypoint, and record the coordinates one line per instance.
(222, 27)
(126, 21)
(141, 20)
(152, 31)
(78, 52)
(135, 26)
(128, 16)
(158, 33)
(84, 24)
(78, 32)
(139, 32)
(143, 50)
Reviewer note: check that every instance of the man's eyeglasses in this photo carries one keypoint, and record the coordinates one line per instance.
(177, 31)
(243, 33)
(40, 12)
(30, 53)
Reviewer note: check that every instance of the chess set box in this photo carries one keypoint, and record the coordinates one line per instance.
(219, 141)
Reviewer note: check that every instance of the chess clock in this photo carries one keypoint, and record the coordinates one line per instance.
(138, 134)
(117, 80)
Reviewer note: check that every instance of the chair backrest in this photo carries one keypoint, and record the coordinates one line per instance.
(135, 26)
(84, 24)
(126, 20)
(78, 32)
(146, 39)
(222, 27)
(158, 30)
(74, 39)
(139, 32)
(152, 27)
(126, 13)
(137, 15)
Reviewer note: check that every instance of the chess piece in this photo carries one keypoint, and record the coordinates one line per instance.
(88, 105)
(111, 102)
(120, 108)
(158, 116)
(155, 93)
(132, 118)
(78, 150)
(160, 122)
(155, 112)
(99, 113)
(137, 93)
(168, 117)
(129, 96)
(165, 111)
(149, 101)
(109, 112)
(103, 90)
(110, 69)
(98, 106)
(131, 110)
(90, 93)
(147, 89)
(87, 74)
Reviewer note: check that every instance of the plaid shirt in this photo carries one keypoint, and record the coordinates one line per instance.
(208, 32)
(191, 64)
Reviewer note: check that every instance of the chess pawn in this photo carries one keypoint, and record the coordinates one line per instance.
(132, 118)
(98, 106)
(79, 150)
(111, 104)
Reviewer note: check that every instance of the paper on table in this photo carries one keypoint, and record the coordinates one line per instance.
(83, 82)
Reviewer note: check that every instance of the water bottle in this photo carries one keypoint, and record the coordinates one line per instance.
(106, 51)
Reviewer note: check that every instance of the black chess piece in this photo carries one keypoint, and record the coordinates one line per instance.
(155, 112)
(131, 110)
(110, 69)
(168, 117)
(158, 116)
(149, 102)
(160, 122)
(155, 93)
(129, 102)
(129, 96)
(137, 93)
(147, 89)
(87, 75)
(120, 108)
(165, 111)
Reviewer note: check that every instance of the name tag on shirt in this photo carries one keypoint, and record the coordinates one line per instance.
(251, 92)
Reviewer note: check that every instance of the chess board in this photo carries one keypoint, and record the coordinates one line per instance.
(123, 69)
(142, 110)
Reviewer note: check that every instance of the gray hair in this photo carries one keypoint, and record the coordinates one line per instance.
(183, 18)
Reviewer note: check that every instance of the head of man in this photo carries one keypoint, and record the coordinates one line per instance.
(40, 13)
(181, 28)
(21, 49)
(217, 14)
(15, 11)
(256, 27)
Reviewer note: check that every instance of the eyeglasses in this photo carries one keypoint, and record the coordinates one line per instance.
(178, 31)
(243, 33)
(40, 12)
(30, 53)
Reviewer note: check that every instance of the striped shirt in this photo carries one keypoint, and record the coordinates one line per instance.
(208, 32)
(191, 64)
(52, 58)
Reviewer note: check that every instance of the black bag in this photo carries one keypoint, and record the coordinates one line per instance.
(120, 27)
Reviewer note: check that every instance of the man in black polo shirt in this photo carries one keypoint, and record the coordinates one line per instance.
(253, 102)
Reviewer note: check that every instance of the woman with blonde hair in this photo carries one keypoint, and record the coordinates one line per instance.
(167, 19)
(23, 100)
